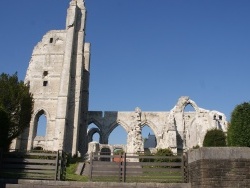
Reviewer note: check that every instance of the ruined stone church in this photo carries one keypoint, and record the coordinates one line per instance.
(58, 77)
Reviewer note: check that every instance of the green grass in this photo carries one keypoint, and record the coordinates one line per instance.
(146, 176)
(70, 173)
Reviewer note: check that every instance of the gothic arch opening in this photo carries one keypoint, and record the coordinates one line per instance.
(187, 134)
(149, 131)
(93, 133)
(189, 113)
(189, 108)
(95, 122)
(39, 129)
(40, 124)
(149, 137)
(118, 135)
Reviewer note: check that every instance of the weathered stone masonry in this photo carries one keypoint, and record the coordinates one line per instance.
(58, 77)
(219, 167)
(175, 129)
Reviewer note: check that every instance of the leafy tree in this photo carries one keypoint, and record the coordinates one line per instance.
(4, 127)
(17, 104)
(239, 128)
(214, 137)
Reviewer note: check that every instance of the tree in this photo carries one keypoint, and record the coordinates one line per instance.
(4, 127)
(214, 138)
(239, 128)
(16, 104)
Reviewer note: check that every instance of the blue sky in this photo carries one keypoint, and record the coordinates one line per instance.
(145, 53)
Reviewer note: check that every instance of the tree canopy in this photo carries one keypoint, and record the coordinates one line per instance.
(16, 106)
(239, 128)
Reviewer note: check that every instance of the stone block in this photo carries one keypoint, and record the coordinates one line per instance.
(80, 168)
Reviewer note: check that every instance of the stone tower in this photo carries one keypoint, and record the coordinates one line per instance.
(58, 77)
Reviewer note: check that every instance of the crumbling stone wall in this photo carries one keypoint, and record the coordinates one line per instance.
(58, 77)
(175, 129)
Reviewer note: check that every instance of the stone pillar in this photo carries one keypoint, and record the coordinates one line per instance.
(93, 147)
(62, 105)
(169, 138)
(134, 140)
(79, 82)
(83, 142)
(31, 133)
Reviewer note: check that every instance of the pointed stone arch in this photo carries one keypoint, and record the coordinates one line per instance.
(154, 129)
(34, 126)
(91, 132)
(113, 125)
(96, 122)
(183, 102)
(41, 111)
(36, 117)
(178, 118)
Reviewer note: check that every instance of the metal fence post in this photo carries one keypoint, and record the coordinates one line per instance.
(124, 167)
(120, 168)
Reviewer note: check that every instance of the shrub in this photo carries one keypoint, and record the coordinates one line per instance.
(163, 152)
(214, 137)
(118, 152)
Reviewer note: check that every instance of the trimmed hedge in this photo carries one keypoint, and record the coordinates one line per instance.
(214, 138)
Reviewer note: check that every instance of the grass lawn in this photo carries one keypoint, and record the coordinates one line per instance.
(70, 172)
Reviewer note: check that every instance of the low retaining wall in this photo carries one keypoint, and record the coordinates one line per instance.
(219, 167)
(73, 184)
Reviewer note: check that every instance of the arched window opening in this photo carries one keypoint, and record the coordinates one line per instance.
(41, 125)
(118, 136)
(96, 136)
(189, 108)
(189, 112)
(149, 137)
